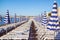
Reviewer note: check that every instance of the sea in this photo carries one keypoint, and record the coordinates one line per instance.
(11, 21)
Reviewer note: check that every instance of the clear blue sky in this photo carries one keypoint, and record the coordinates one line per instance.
(26, 7)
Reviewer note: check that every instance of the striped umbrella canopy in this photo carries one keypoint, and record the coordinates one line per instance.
(44, 19)
(53, 20)
(7, 18)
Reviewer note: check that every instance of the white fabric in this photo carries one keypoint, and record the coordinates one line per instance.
(53, 23)
(54, 14)
(53, 18)
(54, 6)
(54, 10)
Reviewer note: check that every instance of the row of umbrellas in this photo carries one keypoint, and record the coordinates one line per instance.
(7, 18)
(52, 23)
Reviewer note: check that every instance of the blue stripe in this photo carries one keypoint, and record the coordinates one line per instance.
(54, 7)
(53, 25)
(55, 4)
(53, 20)
(44, 22)
(54, 12)
(44, 18)
(4, 20)
(54, 16)
(52, 28)
(7, 14)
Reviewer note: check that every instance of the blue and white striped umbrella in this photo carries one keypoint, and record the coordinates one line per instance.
(44, 19)
(53, 21)
(7, 18)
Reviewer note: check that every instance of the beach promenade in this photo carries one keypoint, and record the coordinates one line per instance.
(30, 30)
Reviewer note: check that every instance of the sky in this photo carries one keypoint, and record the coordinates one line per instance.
(26, 7)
